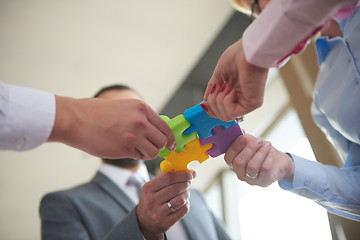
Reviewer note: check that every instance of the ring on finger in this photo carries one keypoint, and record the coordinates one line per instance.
(172, 209)
(251, 176)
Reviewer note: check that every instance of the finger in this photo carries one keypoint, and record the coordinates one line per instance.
(165, 179)
(173, 217)
(178, 201)
(172, 191)
(147, 149)
(268, 172)
(241, 160)
(230, 102)
(163, 127)
(255, 163)
(237, 146)
(221, 108)
(212, 101)
(208, 89)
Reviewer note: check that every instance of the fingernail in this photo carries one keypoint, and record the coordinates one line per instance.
(267, 145)
(223, 87)
(242, 139)
(259, 141)
(204, 107)
(173, 147)
(194, 174)
(229, 90)
(213, 89)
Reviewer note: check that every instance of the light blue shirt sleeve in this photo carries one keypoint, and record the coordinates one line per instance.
(26, 117)
(336, 189)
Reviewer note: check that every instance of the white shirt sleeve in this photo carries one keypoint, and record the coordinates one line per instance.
(284, 25)
(26, 117)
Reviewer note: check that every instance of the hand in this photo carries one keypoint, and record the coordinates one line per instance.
(105, 128)
(154, 215)
(256, 162)
(236, 86)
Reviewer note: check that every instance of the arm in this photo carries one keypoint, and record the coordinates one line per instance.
(283, 25)
(21, 127)
(104, 128)
(126, 128)
(282, 29)
(336, 189)
(153, 213)
(127, 227)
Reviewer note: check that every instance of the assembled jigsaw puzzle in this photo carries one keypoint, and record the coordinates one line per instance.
(197, 136)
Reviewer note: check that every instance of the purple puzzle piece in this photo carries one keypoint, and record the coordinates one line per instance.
(222, 139)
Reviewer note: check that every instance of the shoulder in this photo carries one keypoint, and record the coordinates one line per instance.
(70, 195)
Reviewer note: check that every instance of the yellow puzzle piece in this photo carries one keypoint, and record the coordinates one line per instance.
(179, 161)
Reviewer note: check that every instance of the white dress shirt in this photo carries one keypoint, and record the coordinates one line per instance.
(26, 117)
(120, 177)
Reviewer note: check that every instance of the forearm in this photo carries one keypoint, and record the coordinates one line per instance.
(283, 25)
(65, 121)
(128, 228)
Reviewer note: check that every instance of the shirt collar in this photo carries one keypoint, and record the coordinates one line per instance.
(120, 175)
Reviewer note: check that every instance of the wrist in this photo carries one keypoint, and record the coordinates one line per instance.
(146, 229)
(290, 168)
(65, 121)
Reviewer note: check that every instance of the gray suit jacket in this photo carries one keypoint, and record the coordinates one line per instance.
(101, 210)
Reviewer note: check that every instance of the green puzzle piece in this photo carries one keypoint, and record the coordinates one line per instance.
(178, 125)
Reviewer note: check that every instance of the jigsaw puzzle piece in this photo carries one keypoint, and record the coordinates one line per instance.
(179, 161)
(202, 123)
(221, 139)
(178, 124)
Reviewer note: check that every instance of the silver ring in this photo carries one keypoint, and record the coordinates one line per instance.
(239, 119)
(252, 177)
(170, 206)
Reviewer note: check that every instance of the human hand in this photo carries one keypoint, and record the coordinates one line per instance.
(236, 86)
(123, 128)
(154, 215)
(256, 162)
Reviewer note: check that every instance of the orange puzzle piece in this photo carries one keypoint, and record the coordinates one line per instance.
(179, 161)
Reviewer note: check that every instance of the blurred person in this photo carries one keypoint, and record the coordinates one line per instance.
(29, 117)
(282, 29)
(336, 111)
(110, 207)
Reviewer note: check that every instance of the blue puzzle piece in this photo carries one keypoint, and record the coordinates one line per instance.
(202, 123)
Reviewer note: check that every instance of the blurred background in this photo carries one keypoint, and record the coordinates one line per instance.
(166, 50)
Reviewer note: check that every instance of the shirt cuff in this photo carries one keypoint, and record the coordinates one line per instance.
(26, 119)
(309, 179)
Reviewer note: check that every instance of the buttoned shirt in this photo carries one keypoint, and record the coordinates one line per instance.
(26, 117)
(336, 110)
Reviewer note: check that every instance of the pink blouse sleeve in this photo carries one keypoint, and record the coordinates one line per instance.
(285, 27)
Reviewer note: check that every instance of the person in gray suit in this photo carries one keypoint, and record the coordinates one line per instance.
(121, 202)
